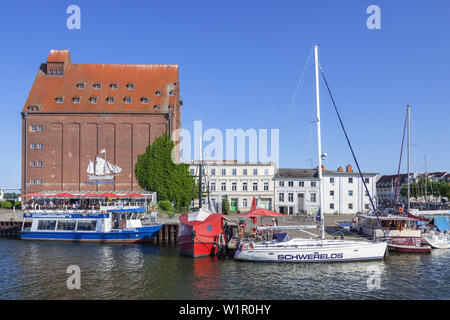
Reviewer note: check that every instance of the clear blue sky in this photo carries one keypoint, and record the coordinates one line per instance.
(240, 62)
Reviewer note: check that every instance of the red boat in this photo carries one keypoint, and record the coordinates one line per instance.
(199, 233)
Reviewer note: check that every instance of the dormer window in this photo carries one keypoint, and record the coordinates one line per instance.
(130, 86)
(127, 100)
(76, 99)
(170, 107)
(97, 86)
(158, 92)
(93, 99)
(33, 108)
(110, 100)
(80, 85)
(113, 86)
(156, 107)
(59, 99)
(144, 100)
(171, 93)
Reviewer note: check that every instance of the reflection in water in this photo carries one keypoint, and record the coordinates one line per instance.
(37, 270)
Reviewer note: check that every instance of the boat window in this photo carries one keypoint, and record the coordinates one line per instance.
(66, 225)
(129, 215)
(134, 215)
(122, 216)
(86, 225)
(46, 224)
(26, 226)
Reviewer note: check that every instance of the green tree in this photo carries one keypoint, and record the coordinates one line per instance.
(225, 206)
(156, 171)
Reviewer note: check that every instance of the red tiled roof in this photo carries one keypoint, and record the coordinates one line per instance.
(147, 80)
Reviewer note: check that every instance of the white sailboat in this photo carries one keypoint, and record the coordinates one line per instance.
(311, 250)
(102, 167)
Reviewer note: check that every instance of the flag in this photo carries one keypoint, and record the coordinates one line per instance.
(318, 216)
(103, 151)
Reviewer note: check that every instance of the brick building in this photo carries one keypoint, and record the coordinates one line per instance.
(83, 125)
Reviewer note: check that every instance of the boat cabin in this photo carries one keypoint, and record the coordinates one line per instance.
(393, 225)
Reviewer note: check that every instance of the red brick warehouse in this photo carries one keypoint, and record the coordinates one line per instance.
(83, 125)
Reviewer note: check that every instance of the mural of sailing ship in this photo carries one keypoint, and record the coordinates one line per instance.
(102, 169)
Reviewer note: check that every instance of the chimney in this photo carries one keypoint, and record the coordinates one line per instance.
(349, 168)
(340, 169)
(323, 168)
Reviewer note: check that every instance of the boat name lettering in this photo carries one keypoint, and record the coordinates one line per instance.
(312, 256)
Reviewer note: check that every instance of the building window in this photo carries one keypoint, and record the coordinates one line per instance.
(80, 85)
(32, 146)
(113, 86)
(301, 184)
(223, 186)
(76, 99)
(39, 146)
(290, 197)
(331, 180)
(313, 197)
(331, 192)
(158, 92)
(244, 186)
(156, 107)
(290, 183)
(331, 205)
(33, 128)
(244, 203)
(59, 99)
(38, 181)
(170, 107)
(255, 172)
(281, 184)
(244, 172)
(32, 181)
(350, 193)
(192, 172)
(127, 100)
(171, 93)
(39, 128)
(130, 86)
(97, 86)
(350, 180)
(110, 100)
(213, 172)
(224, 172)
(266, 186)
(266, 172)
(367, 180)
(255, 186)
(366, 206)
(144, 100)
(234, 186)
(32, 164)
(281, 197)
(234, 172)
(39, 164)
(93, 99)
(33, 108)
(313, 183)
(213, 186)
(350, 205)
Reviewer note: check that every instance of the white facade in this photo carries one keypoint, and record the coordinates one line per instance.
(239, 183)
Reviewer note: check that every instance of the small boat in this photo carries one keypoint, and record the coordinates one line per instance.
(285, 249)
(113, 225)
(200, 233)
(401, 232)
(437, 240)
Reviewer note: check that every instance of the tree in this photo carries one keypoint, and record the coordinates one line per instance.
(225, 206)
(156, 171)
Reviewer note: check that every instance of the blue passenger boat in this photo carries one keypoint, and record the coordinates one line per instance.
(111, 225)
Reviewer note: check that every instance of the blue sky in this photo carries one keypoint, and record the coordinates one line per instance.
(240, 62)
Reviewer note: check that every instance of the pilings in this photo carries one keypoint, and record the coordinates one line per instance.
(10, 229)
(167, 235)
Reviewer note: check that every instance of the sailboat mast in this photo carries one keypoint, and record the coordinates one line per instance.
(426, 181)
(319, 143)
(200, 175)
(409, 141)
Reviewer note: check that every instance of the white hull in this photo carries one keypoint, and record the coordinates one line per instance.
(436, 241)
(304, 250)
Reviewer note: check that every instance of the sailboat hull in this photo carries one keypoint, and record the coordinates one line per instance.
(313, 251)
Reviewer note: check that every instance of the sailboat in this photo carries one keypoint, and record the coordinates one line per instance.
(313, 249)
(102, 167)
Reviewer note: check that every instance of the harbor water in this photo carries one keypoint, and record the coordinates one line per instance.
(38, 270)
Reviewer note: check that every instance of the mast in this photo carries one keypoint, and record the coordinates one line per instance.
(200, 200)
(426, 181)
(319, 145)
(409, 141)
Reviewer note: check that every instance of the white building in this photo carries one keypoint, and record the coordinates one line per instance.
(238, 183)
(297, 191)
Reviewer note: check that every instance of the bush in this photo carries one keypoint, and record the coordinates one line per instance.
(18, 205)
(165, 206)
(225, 206)
(7, 205)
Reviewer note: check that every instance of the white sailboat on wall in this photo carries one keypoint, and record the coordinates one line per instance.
(311, 250)
(102, 167)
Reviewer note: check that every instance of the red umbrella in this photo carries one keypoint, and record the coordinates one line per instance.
(108, 194)
(261, 212)
(253, 207)
(133, 195)
(62, 195)
(36, 194)
(92, 195)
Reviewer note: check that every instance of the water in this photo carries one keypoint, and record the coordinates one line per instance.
(37, 270)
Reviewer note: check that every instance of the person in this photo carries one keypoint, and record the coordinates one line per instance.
(275, 222)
